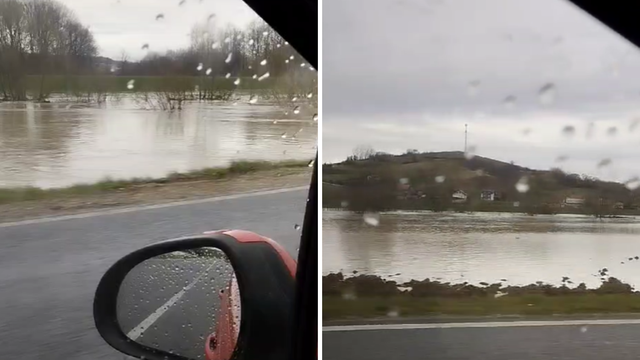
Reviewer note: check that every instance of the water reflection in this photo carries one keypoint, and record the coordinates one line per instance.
(482, 247)
(51, 145)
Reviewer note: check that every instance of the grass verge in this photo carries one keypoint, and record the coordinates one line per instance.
(367, 296)
(237, 168)
(336, 308)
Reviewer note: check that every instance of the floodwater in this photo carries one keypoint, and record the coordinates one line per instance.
(60, 144)
(482, 247)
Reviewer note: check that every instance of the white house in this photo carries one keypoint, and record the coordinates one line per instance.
(573, 202)
(489, 195)
(459, 196)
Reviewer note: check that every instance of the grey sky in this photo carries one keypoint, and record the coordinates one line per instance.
(126, 25)
(397, 74)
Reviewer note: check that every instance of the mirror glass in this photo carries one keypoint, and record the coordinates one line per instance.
(185, 303)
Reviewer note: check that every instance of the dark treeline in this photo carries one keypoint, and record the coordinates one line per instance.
(43, 37)
(40, 37)
(373, 181)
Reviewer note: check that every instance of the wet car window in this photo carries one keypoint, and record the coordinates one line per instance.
(479, 167)
(113, 113)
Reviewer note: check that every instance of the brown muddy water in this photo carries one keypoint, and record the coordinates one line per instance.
(64, 143)
(482, 247)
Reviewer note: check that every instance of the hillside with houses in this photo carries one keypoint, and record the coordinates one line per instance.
(442, 181)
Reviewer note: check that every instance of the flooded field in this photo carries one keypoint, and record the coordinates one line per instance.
(482, 247)
(60, 144)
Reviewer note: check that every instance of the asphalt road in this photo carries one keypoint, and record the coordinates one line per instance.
(49, 270)
(568, 342)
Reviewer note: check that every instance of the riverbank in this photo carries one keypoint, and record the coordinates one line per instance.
(371, 297)
(239, 177)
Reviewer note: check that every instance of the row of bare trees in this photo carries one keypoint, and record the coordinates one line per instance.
(40, 37)
(254, 50)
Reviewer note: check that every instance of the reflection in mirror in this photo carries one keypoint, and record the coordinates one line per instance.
(185, 303)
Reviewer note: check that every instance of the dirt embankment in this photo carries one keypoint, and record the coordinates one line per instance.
(148, 192)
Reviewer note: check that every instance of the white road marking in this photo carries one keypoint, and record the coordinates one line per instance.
(135, 333)
(495, 324)
(149, 207)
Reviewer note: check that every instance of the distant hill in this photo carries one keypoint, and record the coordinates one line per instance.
(427, 180)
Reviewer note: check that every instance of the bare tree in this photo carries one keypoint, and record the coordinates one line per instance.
(12, 38)
(362, 152)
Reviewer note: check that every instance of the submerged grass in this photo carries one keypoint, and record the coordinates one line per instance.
(367, 296)
(12, 195)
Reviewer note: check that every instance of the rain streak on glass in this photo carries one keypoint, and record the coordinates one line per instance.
(547, 94)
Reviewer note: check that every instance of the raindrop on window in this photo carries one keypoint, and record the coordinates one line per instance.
(264, 76)
(251, 42)
(284, 135)
(237, 82)
(569, 130)
(612, 131)
(291, 57)
(182, 2)
(547, 94)
(145, 47)
(131, 84)
(604, 162)
(296, 110)
(200, 66)
(228, 75)
(254, 76)
(211, 16)
(311, 163)
(561, 158)
(160, 17)
(227, 40)
(228, 59)
(393, 313)
(584, 329)
(253, 99)
(344, 204)
(296, 227)
(265, 33)
(294, 99)
(403, 181)
(522, 185)
(215, 45)
(510, 102)
(303, 65)
(526, 132)
(372, 219)
(263, 62)
(632, 183)
(470, 153)
(286, 61)
(315, 117)
(209, 71)
(309, 95)
(472, 88)
(440, 178)
(634, 124)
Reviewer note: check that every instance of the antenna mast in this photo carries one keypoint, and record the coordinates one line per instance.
(465, 138)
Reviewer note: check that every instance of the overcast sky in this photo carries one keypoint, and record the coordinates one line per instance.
(125, 25)
(402, 74)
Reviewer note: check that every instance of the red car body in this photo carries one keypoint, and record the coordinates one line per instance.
(221, 344)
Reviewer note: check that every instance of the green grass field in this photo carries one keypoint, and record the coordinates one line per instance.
(337, 308)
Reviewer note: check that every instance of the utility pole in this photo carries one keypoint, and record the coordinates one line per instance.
(465, 138)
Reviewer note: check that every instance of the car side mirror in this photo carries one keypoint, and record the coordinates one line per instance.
(219, 296)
